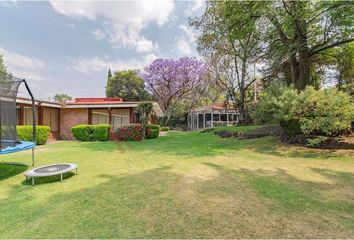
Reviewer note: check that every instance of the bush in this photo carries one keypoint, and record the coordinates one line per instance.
(292, 126)
(25, 133)
(87, 133)
(130, 132)
(164, 129)
(327, 112)
(267, 108)
(152, 131)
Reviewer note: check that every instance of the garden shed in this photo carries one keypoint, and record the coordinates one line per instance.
(218, 114)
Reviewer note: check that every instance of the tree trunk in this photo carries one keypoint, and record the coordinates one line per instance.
(304, 63)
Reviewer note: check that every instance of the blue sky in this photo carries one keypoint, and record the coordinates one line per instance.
(67, 47)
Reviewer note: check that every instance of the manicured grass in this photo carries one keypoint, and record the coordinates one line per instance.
(183, 185)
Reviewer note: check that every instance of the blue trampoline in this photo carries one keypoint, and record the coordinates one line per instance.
(9, 141)
(20, 146)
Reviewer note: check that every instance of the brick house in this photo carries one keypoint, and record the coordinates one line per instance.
(61, 117)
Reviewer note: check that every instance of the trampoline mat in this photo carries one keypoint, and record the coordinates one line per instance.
(52, 168)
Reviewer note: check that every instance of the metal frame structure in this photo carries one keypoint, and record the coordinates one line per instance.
(212, 116)
(34, 133)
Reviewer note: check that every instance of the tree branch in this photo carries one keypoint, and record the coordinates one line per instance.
(314, 51)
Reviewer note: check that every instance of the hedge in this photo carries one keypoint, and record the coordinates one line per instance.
(133, 132)
(25, 133)
(152, 131)
(89, 133)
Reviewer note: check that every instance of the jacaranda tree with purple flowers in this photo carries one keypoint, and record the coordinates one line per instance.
(172, 81)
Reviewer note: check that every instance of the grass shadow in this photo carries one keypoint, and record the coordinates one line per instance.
(47, 180)
(8, 170)
(160, 203)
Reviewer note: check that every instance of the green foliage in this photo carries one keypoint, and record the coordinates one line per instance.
(25, 133)
(143, 110)
(292, 126)
(2, 65)
(152, 131)
(164, 129)
(267, 108)
(126, 84)
(101, 132)
(326, 112)
(315, 142)
(133, 132)
(87, 133)
(62, 97)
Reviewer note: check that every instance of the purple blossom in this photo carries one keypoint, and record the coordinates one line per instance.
(172, 80)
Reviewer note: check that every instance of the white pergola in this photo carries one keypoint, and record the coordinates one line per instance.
(211, 116)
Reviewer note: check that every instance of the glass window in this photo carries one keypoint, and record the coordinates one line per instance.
(18, 115)
(120, 117)
(50, 118)
(100, 116)
(28, 118)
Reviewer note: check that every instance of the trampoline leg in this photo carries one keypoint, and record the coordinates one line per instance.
(32, 156)
(61, 177)
(33, 181)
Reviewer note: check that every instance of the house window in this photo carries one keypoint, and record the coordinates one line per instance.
(50, 118)
(100, 116)
(28, 117)
(120, 117)
(18, 115)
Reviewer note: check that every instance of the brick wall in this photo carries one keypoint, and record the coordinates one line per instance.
(69, 118)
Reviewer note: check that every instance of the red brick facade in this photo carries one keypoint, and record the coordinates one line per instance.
(69, 118)
(79, 112)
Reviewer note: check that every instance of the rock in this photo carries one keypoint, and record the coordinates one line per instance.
(224, 133)
(271, 130)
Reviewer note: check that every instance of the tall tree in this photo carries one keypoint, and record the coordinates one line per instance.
(231, 52)
(296, 32)
(173, 81)
(128, 85)
(2, 65)
(62, 97)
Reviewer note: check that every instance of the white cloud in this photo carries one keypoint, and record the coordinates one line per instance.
(123, 20)
(96, 64)
(98, 34)
(188, 32)
(183, 47)
(22, 65)
(198, 4)
(9, 3)
(144, 45)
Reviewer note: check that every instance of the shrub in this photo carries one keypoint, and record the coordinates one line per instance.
(25, 134)
(292, 126)
(164, 129)
(101, 132)
(267, 109)
(130, 132)
(152, 131)
(85, 132)
(327, 112)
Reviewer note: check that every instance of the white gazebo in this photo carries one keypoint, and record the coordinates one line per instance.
(211, 116)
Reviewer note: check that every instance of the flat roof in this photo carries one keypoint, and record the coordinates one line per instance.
(90, 104)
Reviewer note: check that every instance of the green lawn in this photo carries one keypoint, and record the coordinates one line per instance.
(183, 185)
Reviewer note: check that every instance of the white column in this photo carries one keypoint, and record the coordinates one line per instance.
(203, 119)
(212, 118)
(197, 121)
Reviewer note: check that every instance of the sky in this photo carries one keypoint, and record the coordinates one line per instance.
(68, 47)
